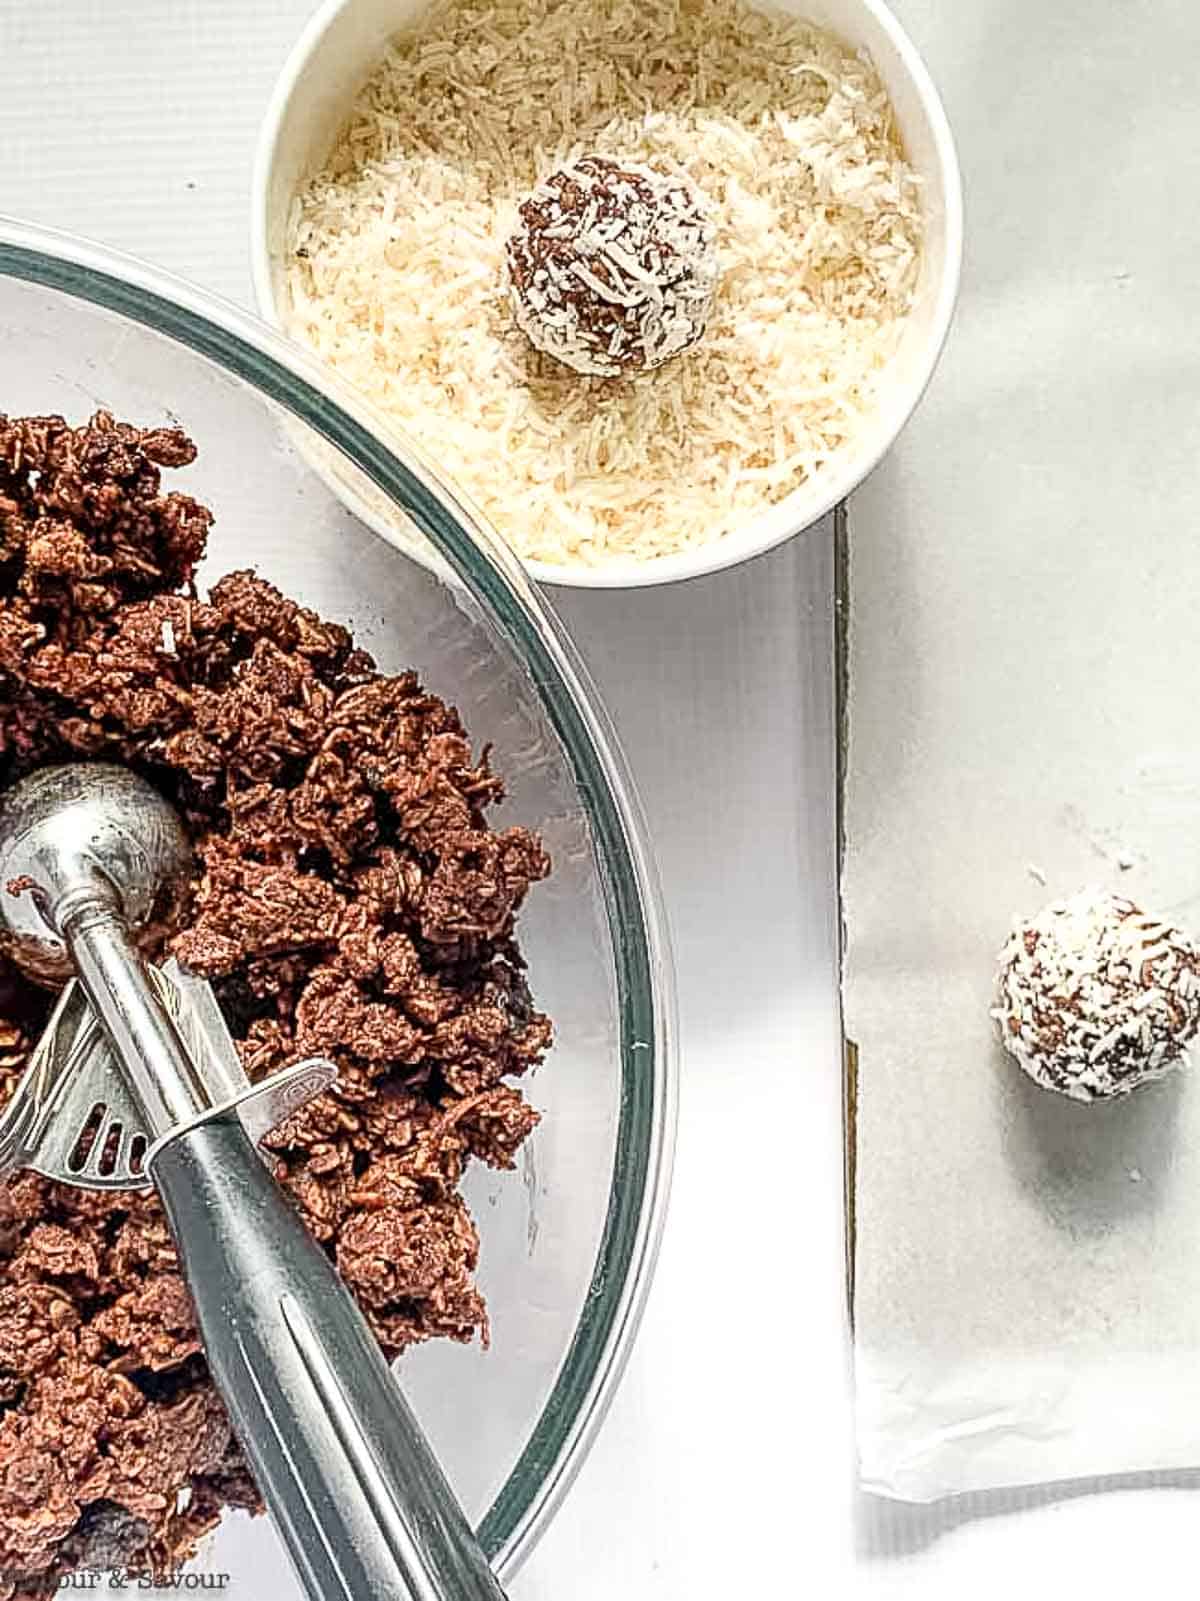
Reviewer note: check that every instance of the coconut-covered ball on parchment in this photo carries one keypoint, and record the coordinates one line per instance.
(612, 267)
(1095, 997)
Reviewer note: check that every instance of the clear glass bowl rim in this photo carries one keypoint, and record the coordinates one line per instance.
(248, 349)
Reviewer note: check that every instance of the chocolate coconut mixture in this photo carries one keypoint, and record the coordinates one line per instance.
(350, 900)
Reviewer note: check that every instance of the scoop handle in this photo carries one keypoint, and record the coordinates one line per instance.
(356, 1493)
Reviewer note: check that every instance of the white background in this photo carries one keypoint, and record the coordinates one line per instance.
(726, 1466)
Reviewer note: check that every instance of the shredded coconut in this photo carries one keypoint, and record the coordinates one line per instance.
(396, 260)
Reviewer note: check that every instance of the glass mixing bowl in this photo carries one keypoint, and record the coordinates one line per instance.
(568, 1241)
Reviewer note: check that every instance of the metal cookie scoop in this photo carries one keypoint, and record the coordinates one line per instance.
(74, 1118)
(157, 1094)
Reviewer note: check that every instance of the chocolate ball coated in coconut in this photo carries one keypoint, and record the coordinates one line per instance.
(612, 268)
(1095, 998)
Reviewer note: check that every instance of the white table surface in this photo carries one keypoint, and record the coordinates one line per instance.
(727, 1469)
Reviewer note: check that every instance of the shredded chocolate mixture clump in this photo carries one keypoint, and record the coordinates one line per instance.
(351, 900)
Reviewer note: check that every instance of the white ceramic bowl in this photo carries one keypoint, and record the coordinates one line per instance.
(338, 51)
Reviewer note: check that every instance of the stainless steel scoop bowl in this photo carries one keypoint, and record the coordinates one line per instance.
(360, 1501)
(86, 849)
(93, 828)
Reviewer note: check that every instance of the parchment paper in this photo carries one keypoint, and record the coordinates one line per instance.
(1024, 700)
